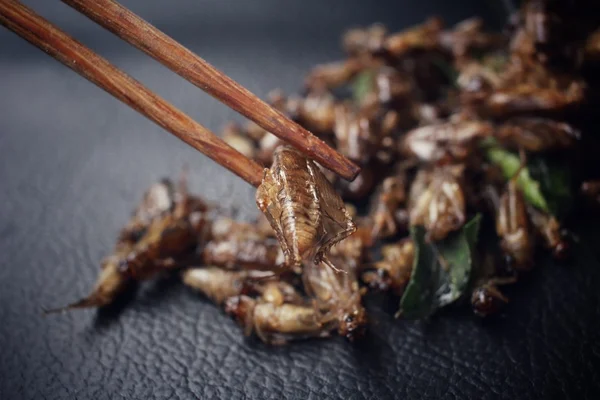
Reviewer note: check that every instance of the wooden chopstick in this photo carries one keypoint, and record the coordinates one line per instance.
(133, 29)
(41, 33)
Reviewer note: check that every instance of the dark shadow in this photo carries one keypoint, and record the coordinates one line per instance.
(159, 289)
(107, 315)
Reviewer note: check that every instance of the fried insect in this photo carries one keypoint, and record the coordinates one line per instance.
(166, 238)
(357, 42)
(477, 82)
(445, 141)
(332, 75)
(110, 284)
(549, 229)
(467, 39)
(528, 98)
(307, 215)
(354, 250)
(416, 109)
(393, 271)
(390, 197)
(278, 292)
(234, 136)
(437, 201)
(224, 228)
(512, 226)
(316, 111)
(337, 296)
(158, 199)
(487, 299)
(536, 134)
(167, 223)
(391, 88)
(276, 324)
(236, 252)
(215, 283)
(424, 37)
(357, 134)
(266, 147)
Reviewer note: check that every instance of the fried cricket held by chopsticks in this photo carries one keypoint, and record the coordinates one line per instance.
(308, 216)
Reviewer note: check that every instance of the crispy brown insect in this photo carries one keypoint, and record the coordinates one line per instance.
(394, 270)
(536, 134)
(363, 41)
(334, 74)
(316, 111)
(477, 81)
(166, 224)
(307, 215)
(110, 284)
(236, 252)
(224, 228)
(278, 292)
(437, 201)
(467, 38)
(528, 98)
(424, 37)
(357, 134)
(337, 296)
(512, 226)
(276, 324)
(354, 249)
(266, 147)
(158, 200)
(445, 141)
(166, 238)
(549, 229)
(390, 88)
(390, 197)
(215, 283)
(487, 299)
(234, 136)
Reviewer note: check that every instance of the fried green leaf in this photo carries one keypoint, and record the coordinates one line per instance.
(441, 270)
(510, 163)
(555, 184)
(362, 85)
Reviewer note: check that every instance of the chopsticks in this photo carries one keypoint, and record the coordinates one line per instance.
(41, 33)
(144, 36)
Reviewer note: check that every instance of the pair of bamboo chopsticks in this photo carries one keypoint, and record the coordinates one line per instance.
(133, 29)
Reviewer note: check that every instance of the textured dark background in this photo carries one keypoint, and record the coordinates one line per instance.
(73, 162)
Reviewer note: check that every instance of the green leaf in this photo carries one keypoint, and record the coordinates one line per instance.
(362, 85)
(555, 184)
(510, 163)
(441, 270)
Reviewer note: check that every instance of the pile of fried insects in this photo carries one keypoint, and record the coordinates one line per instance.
(456, 129)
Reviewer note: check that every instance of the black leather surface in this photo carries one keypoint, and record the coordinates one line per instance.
(74, 161)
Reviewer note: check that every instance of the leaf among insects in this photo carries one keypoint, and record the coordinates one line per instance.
(441, 270)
